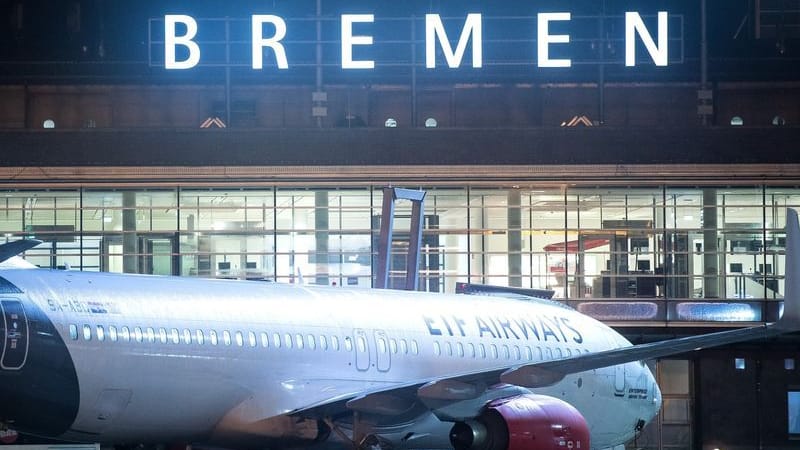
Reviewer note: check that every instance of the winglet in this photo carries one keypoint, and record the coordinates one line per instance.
(791, 298)
(13, 248)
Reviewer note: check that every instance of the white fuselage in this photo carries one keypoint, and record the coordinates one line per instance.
(178, 359)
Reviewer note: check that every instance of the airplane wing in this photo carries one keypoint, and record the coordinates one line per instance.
(440, 392)
(13, 248)
(443, 391)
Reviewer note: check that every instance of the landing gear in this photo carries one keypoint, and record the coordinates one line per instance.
(360, 440)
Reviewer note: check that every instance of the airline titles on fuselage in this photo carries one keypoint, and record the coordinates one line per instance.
(86, 307)
(540, 328)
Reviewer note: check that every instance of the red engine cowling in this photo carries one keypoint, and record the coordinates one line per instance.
(524, 422)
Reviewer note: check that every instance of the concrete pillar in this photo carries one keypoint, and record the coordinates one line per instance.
(130, 240)
(514, 239)
(321, 234)
(711, 277)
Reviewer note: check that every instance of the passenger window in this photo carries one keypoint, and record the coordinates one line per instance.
(403, 346)
(73, 332)
(199, 337)
(299, 340)
(276, 340)
(471, 349)
(312, 344)
(125, 334)
(437, 349)
(517, 354)
(558, 353)
(481, 351)
(175, 336)
(528, 354)
(323, 342)
(539, 355)
(187, 336)
(414, 347)
(569, 352)
(362, 344)
(493, 351)
(548, 353)
(251, 339)
(101, 334)
(137, 334)
(287, 338)
(212, 336)
(348, 344)
(239, 339)
(335, 343)
(381, 345)
(449, 348)
(162, 335)
(112, 333)
(226, 337)
(151, 335)
(460, 349)
(87, 332)
(264, 340)
(393, 345)
(506, 354)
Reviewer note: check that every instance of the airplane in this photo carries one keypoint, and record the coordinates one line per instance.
(139, 359)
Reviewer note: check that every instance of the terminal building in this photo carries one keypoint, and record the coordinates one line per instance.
(651, 197)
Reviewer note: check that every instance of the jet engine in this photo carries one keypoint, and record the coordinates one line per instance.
(528, 421)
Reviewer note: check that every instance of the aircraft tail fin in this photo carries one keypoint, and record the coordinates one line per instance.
(13, 248)
(791, 298)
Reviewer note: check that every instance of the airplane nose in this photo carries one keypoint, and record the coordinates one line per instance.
(657, 400)
(38, 384)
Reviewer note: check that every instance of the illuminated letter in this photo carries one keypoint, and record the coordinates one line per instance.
(634, 24)
(435, 28)
(171, 41)
(348, 41)
(545, 39)
(274, 42)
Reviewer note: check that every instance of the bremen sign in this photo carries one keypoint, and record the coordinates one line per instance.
(182, 49)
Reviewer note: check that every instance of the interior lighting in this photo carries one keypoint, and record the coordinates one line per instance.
(736, 121)
(430, 122)
(49, 123)
(390, 123)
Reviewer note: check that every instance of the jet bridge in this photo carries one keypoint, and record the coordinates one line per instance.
(390, 196)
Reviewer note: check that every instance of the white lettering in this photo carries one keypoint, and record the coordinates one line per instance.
(635, 25)
(545, 39)
(348, 41)
(434, 30)
(171, 40)
(274, 42)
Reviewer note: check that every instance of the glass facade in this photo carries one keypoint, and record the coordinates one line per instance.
(656, 253)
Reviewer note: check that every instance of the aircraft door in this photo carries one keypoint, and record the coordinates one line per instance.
(383, 356)
(14, 332)
(362, 350)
